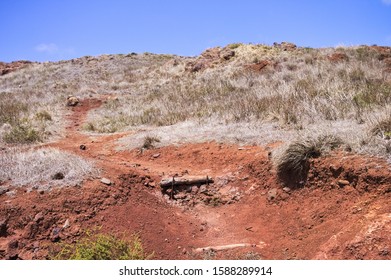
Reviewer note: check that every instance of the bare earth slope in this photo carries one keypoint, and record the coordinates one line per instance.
(343, 211)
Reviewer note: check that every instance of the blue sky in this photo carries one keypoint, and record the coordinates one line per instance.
(50, 30)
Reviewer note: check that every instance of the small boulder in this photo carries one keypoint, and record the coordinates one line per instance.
(72, 101)
(105, 181)
(343, 183)
(58, 176)
(272, 194)
(227, 54)
(3, 228)
(3, 190)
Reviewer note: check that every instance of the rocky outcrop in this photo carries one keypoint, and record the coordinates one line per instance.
(209, 58)
(6, 68)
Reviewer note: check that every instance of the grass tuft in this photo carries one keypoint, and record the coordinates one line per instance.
(292, 164)
(149, 142)
(98, 246)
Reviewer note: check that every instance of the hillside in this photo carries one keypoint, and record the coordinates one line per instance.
(296, 141)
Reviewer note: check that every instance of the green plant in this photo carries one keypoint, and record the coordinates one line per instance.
(89, 126)
(10, 111)
(43, 116)
(234, 46)
(98, 246)
(22, 133)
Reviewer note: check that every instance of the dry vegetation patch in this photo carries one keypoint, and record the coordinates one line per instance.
(43, 168)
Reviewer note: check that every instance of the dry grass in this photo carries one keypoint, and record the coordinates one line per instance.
(43, 168)
(302, 90)
(292, 162)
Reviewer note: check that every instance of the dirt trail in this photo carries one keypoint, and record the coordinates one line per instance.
(244, 205)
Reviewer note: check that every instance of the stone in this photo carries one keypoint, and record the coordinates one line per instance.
(3, 190)
(3, 228)
(66, 224)
(156, 155)
(343, 182)
(11, 193)
(272, 194)
(227, 54)
(105, 181)
(83, 147)
(58, 176)
(338, 57)
(38, 217)
(285, 46)
(72, 101)
(286, 189)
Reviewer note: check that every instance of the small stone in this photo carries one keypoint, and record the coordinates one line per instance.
(343, 182)
(105, 181)
(194, 189)
(39, 217)
(272, 194)
(3, 228)
(58, 176)
(3, 190)
(286, 189)
(203, 189)
(11, 193)
(66, 224)
(156, 155)
(83, 147)
(72, 101)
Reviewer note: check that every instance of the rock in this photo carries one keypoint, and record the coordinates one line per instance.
(38, 217)
(72, 101)
(58, 176)
(106, 181)
(338, 57)
(6, 68)
(203, 189)
(343, 182)
(272, 194)
(66, 224)
(55, 235)
(227, 54)
(194, 190)
(11, 193)
(156, 155)
(259, 66)
(3, 190)
(285, 46)
(83, 147)
(3, 228)
(286, 189)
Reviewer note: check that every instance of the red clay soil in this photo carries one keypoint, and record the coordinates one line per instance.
(342, 212)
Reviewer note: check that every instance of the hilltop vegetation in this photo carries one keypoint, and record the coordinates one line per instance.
(240, 93)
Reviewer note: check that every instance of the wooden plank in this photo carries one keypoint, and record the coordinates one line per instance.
(185, 181)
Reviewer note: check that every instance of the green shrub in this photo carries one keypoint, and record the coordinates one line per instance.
(234, 46)
(22, 133)
(43, 116)
(10, 112)
(102, 247)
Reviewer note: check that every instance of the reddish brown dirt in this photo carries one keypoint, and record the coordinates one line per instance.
(342, 212)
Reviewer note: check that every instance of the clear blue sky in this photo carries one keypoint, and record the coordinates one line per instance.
(42, 30)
